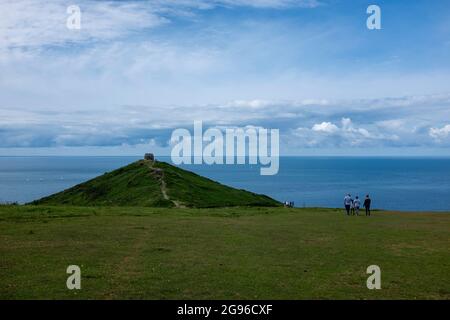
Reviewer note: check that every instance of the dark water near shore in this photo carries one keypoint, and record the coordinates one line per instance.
(393, 183)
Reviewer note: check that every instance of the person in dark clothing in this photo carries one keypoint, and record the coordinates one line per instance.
(367, 203)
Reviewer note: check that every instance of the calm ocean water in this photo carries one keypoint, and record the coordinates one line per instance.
(393, 183)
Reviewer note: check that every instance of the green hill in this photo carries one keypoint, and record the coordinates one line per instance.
(155, 184)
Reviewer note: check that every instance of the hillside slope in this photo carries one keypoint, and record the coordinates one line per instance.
(155, 184)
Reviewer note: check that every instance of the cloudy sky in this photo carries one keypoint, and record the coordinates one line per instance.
(136, 70)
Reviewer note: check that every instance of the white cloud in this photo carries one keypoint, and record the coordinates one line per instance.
(440, 133)
(32, 24)
(327, 134)
(326, 127)
(301, 124)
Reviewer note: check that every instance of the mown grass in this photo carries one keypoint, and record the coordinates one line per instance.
(227, 253)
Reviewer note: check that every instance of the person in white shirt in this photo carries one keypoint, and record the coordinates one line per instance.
(348, 203)
(357, 205)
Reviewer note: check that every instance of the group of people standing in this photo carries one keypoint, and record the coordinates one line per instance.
(352, 206)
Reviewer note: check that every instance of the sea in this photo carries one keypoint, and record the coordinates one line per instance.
(404, 184)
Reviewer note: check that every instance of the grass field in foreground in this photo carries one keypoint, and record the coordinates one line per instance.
(230, 253)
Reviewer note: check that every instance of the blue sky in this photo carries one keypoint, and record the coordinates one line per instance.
(139, 69)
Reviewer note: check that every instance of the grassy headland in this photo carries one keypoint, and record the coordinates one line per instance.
(155, 184)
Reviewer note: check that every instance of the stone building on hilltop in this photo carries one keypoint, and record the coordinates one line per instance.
(149, 157)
